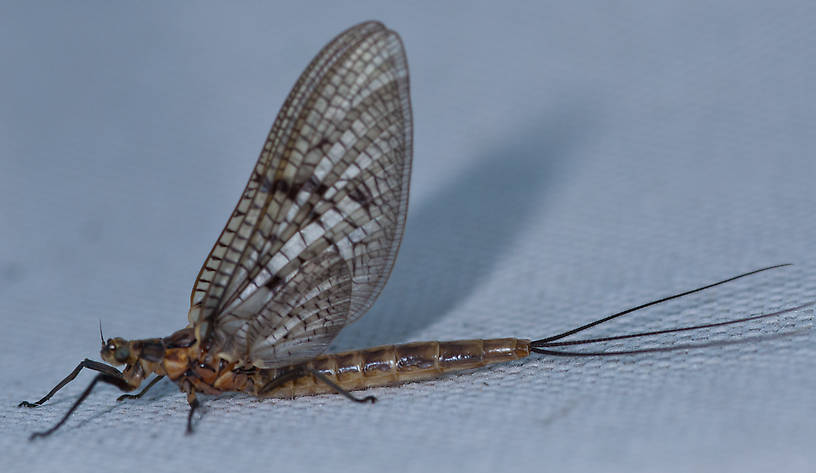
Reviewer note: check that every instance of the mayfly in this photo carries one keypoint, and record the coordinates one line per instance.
(308, 249)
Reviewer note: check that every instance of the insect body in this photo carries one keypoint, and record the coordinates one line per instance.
(348, 371)
(308, 249)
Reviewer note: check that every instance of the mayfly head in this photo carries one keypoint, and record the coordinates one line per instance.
(116, 351)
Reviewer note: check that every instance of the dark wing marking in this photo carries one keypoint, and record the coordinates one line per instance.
(295, 319)
(331, 185)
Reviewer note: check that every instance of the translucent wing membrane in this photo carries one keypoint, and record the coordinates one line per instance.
(308, 249)
(297, 320)
(316, 231)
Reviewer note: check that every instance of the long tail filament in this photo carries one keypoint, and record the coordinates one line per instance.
(545, 345)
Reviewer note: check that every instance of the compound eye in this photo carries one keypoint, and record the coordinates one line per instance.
(121, 354)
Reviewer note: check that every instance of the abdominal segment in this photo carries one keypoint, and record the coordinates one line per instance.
(389, 365)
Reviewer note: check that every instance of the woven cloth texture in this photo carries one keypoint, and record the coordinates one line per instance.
(571, 160)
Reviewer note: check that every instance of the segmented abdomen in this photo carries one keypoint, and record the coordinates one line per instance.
(395, 364)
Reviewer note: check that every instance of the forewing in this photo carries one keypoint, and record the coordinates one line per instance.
(327, 199)
(296, 319)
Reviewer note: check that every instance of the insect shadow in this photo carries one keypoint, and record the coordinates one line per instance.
(305, 252)
(458, 234)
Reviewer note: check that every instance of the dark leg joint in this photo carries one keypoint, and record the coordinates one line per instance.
(141, 393)
(117, 381)
(323, 379)
(86, 363)
(282, 379)
(194, 404)
(301, 371)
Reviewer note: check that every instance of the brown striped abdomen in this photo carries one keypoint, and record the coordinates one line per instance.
(394, 364)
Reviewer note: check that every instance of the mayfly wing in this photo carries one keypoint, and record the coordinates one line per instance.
(316, 231)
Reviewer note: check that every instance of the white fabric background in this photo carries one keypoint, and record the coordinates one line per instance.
(571, 161)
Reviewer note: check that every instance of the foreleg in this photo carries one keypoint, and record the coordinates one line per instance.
(116, 380)
(86, 363)
(141, 393)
